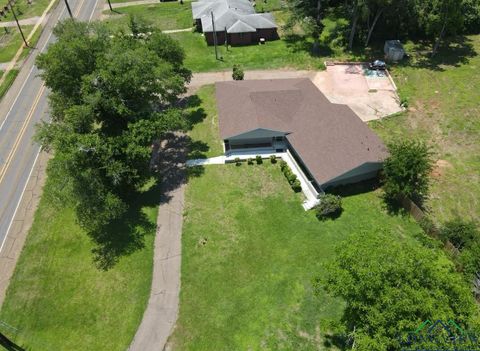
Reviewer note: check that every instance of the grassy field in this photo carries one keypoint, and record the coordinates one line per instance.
(24, 10)
(166, 16)
(445, 111)
(59, 300)
(10, 43)
(204, 135)
(274, 54)
(250, 253)
(9, 79)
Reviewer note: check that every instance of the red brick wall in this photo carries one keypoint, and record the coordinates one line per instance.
(268, 34)
(220, 38)
(237, 39)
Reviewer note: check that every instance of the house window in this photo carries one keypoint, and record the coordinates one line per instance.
(279, 138)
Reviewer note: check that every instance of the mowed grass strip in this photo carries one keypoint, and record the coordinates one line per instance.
(274, 54)
(11, 42)
(250, 253)
(25, 10)
(202, 109)
(444, 110)
(59, 300)
(7, 83)
(165, 16)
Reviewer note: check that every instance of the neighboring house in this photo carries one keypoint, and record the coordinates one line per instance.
(329, 141)
(235, 21)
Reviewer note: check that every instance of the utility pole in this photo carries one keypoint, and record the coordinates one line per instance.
(214, 36)
(9, 344)
(18, 24)
(110, 5)
(68, 8)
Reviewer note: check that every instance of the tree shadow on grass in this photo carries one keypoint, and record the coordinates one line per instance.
(300, 43)
(363, 187)
(124, 236)
(127, 235)
(454, 52)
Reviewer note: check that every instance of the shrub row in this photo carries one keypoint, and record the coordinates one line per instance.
(291, 177)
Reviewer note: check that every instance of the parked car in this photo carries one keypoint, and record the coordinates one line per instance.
(378, 65)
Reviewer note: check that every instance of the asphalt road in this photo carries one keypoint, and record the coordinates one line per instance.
(25, 105)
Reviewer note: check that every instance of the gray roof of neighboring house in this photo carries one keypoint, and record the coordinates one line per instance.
(231, 14)
(329, 138)
(230, 17)
(240, 27)
(205, 7)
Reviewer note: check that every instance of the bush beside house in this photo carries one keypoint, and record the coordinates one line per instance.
(330, 206)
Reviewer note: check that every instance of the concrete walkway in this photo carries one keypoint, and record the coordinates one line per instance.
(131, 3)
(200, 79)
(161, 314)
(24, 22)
(177, 30)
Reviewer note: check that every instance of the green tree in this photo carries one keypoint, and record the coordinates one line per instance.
(438, 18)
(237, 73)
(407, 170)
(310, 13)
(391, 285)
(112, 94)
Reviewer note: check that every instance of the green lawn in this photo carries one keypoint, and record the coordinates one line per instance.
(274, 54)
(166, 16)
(444, 110)
(250, 253)
(59, 300)
(203, 107)
(10, 43)
(24, 10)
(9, 79)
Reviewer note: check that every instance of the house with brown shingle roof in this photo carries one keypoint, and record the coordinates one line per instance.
(234, 21)
(329, 141)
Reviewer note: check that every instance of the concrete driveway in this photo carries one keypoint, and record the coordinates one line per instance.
(371, 96)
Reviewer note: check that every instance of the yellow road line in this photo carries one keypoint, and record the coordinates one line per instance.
(3, 171)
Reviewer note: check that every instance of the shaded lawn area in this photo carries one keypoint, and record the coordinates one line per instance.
(281, 53)
(165, 16)
(249, 255)
(445, 111)
(202, 107)
(25, 10)
(59, 300)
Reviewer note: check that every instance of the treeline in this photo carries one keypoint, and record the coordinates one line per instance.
(392, 19)
(112, 94)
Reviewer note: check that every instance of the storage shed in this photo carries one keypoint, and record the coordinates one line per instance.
(393, 50)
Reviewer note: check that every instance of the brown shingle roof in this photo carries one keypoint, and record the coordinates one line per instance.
(329, 138)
